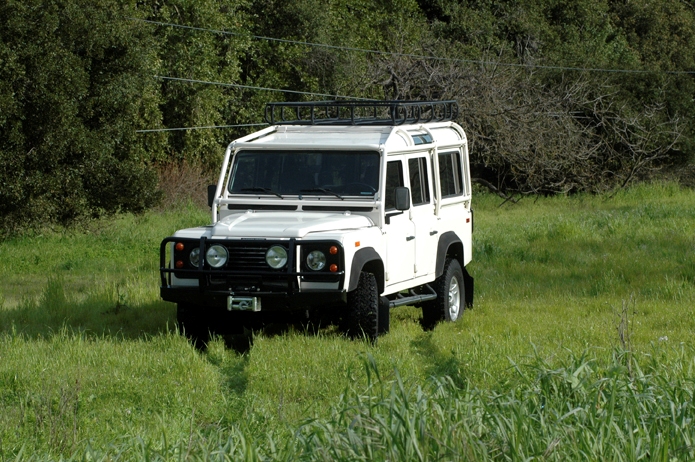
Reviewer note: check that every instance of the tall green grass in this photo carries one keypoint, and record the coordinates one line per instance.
(579, 347)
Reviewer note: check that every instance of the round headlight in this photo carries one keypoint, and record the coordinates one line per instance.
(194, 257)
(316, 260)
(216, 256)
(276, 256)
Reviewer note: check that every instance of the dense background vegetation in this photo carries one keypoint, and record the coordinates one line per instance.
(556, 96)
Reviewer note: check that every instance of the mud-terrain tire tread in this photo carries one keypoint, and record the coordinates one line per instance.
(363, 308)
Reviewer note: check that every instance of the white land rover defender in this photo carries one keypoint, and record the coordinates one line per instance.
(338, 210)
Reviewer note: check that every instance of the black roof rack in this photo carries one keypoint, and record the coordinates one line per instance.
(360, 112)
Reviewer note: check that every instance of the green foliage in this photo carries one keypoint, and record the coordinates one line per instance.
(196, 55)
(76, 83)
(660, 33)
(394, 26)
(565, 44)
(645, 239)
(579, 346)
(78, 80)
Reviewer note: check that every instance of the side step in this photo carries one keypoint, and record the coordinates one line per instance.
(413, 298)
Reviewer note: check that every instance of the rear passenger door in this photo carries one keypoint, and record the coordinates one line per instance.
(422, 213)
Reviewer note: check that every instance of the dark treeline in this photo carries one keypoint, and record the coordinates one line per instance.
(542, 87)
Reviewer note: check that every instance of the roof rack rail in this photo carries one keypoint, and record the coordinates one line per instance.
(360, 112)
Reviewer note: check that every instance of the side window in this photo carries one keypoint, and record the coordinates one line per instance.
(419, 184)
(450, 173)
(394, 179)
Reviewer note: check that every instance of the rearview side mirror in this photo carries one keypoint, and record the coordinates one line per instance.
(211, 194)
(402, 198)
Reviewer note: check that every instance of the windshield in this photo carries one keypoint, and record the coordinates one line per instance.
(306, 173)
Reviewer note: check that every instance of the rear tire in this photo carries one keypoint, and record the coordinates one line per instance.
(362, 317)
(450, 301)
(191, 322)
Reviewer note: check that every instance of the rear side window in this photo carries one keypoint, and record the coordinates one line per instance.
(419, 181)
(450, 173)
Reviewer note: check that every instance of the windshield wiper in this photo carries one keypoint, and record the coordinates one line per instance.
(323, 190)
(263, 190)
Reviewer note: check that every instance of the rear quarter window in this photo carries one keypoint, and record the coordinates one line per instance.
(450, 173)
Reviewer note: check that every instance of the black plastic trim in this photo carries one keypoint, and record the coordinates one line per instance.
(335, 208)
(260, 207)
(269, 301)
(445, 241)
(361, 258)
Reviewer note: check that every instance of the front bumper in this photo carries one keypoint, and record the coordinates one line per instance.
(219, 299)
(290, 288)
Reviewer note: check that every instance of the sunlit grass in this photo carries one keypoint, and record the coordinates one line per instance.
(122, 250)
(579, 347)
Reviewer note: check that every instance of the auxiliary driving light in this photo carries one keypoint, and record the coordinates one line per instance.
(216, 256)
(276, 256)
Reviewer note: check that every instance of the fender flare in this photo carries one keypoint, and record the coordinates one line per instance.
(446, 241)
(366, 257)
(451, 245)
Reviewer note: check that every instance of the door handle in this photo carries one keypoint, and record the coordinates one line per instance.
(432, 233)
(409, 238)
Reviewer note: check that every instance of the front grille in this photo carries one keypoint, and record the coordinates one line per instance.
(246, 263)
(247, 257)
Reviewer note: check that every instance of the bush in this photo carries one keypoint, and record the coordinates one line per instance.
(76, 83)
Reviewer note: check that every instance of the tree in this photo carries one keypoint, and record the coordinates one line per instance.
(536, 121)
(208, 48)
(76, 81)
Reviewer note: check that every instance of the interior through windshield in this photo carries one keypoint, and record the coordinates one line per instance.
(305, 173)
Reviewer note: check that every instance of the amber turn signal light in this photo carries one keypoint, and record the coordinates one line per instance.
(179, 246)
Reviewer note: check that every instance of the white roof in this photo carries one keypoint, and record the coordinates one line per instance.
(351, 136)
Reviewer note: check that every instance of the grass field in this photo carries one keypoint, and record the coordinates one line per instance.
(580, 347)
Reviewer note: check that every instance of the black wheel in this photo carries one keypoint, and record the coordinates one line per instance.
(362, 317)
(449, 304)
(192, 324)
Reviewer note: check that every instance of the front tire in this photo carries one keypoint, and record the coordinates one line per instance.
(362, 317)
(191, 323)
(449, 304)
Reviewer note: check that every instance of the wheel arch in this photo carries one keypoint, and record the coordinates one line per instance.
(450, 246)
(366, 259)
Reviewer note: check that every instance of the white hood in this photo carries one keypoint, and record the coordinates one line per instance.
(285, 224)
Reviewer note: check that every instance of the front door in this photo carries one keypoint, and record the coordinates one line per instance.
(399, 230)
